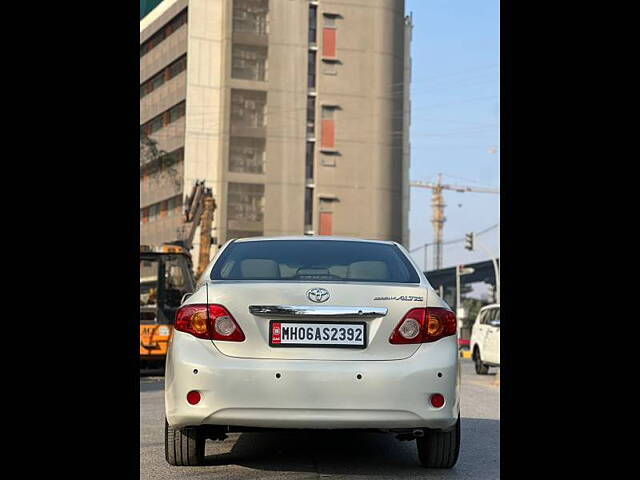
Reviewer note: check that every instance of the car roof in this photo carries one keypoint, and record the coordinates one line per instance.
(313, 237)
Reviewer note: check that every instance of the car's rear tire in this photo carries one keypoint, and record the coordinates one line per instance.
(184, 447)
(481, 368)
(439, 449)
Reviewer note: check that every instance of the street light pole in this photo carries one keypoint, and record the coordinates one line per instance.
(461, 270)
(460, 313)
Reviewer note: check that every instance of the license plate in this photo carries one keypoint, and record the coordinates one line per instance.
(317, 334)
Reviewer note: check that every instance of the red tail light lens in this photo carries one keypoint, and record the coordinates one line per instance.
(422, 325)
(193, 319)
(212, 323)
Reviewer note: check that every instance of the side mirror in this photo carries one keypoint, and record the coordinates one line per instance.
(185, 297)
(494, 323)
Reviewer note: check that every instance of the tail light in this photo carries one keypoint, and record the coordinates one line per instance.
(423, 325)
(213, 323)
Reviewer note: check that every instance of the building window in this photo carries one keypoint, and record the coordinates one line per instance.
(157, 123)
(158, 37)
(174, 205)
(311, 72)
(313, 19)
(176, 112)
(163, 76)
(249, 62)
(166, 208)
(248, 108)
(246, 155)
(329, 35)
(328, 127)
(155, 165)
(164, 119)
(154, 211)
(308, 209)
(311, 116)
(176, 67)
(250, 16)
(245, 202)
(309, 162)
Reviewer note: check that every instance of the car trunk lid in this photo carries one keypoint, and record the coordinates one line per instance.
(254, 304)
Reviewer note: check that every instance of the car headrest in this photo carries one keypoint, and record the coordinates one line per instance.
(368, 270)
(259, 268)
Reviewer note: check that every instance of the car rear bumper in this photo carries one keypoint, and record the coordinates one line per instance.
(311, 393)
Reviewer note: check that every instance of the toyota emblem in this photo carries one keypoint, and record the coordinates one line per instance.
(318, 295)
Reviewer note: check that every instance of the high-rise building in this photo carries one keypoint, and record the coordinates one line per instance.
(294, 112)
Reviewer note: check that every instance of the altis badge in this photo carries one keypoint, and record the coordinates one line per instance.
(405, 298)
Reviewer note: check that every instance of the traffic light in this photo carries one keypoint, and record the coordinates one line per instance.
(468, 241)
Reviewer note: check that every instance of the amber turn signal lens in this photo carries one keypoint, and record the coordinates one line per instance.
(433, 325)
(199, 322)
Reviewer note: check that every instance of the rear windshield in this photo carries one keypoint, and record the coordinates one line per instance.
(305, 260)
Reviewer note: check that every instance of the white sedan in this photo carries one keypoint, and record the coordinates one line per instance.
(313, 333)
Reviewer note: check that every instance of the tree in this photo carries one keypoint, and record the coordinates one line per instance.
(158, 164)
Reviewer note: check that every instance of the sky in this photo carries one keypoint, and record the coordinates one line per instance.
(455, 120)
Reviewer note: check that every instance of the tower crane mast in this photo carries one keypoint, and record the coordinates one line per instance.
(437, 206)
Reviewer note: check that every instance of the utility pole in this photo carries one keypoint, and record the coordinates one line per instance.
(425, 256)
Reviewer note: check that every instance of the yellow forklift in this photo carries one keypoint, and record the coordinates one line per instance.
(166, 275)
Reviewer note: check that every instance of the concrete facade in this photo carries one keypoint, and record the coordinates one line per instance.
(287, 149)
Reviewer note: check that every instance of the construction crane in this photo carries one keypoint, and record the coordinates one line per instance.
(198, 210)
(437, 205)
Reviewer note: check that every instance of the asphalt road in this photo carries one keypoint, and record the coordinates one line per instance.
(312, 454)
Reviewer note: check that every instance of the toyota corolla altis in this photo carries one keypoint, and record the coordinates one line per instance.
(313, 333)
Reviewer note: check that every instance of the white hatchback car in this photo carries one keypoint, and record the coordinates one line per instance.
(485, 339)
(313, 333)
